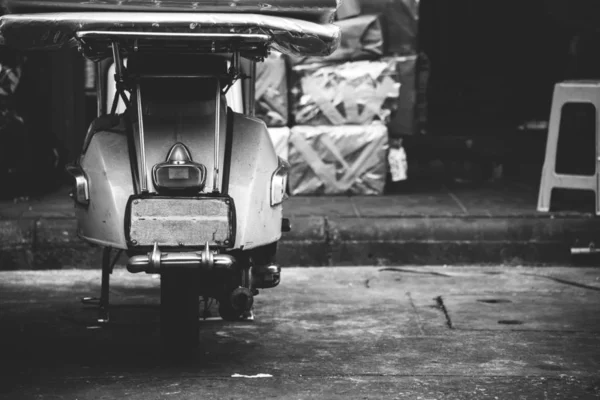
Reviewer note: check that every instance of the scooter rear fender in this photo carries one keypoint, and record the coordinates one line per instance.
(106, 164)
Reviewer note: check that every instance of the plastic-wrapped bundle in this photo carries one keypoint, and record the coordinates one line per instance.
(338, 159)
(342, 94)
(281, 140)
(272, 91)
(348, 9)
(400, 18)
(362, 39)
(310, 10)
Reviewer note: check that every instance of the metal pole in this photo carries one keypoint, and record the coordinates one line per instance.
(117, 60)
(252, 89)
(143, 172)
(116, 52)
(236, 62)
(217, 134)
(99, 90)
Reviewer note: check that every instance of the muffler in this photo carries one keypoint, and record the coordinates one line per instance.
(242, 299)
(155, 261)
(266, 277)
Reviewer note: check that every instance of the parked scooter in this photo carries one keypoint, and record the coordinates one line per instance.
(186, 187)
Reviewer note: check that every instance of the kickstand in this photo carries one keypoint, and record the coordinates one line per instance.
(103, 302)
(248, 315)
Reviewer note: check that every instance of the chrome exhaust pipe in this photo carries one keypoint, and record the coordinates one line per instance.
(155, 261)
(266, 277)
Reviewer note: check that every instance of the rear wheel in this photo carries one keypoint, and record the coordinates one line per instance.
(179, 310)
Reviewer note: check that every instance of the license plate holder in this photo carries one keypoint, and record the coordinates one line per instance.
(181, 222)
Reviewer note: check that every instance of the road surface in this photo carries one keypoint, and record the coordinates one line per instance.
(324, 333)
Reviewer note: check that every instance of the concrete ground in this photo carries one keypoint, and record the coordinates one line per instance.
(324, 333)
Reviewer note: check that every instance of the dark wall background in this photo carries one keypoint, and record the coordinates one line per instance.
(51, 100)
(494, 64)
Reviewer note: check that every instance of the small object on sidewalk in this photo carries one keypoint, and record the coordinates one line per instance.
(398, 163)
(252, 376)
(534, 126)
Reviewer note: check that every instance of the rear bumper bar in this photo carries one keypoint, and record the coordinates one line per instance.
(155, 261)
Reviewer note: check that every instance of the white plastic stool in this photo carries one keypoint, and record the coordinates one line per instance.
(564, 93)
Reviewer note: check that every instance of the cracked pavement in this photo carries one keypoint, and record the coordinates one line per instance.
(324, 333)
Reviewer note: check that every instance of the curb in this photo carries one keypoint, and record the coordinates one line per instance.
(52, 243)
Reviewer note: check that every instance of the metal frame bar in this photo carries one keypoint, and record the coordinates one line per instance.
(119, 77)
(172, 35)
(116, 53)
(100, 98)
(175, 76)
(144, 171)
(217, 136)
(252, 90)
(234, 70)
(236, 61)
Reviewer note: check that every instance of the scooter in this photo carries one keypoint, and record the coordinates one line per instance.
(185, 186)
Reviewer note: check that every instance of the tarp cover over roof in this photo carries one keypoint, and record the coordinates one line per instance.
(320, 11)
(301, 27)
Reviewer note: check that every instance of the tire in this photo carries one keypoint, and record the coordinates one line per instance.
(179, 310)
(227, 312)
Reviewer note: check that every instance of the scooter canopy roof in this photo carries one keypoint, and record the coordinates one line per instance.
(211, 32)
(320, 11)
(298, 27)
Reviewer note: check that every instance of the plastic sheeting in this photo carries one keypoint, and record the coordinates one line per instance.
(348, 9)
(341, 94)
(310, 10)
(56, 30)
(362, 39)
(281, 140)
(338, 159)
(401, 18)
(272, 91)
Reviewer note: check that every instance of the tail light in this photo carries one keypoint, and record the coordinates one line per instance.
(279, 183)
(81, 191)
(179, 172)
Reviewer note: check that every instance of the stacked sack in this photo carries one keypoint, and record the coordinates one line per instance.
(340, 140)
(399, 24)
(341, 108)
